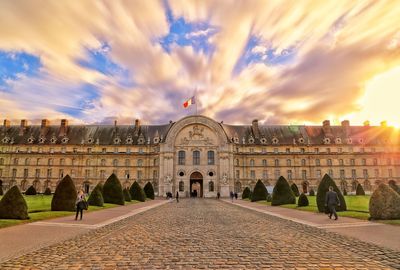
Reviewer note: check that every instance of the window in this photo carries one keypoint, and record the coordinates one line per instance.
(49, 172)
(15, 161)
(196, 157)
(102, 174)
(252, 162)
(116, 150)
(37, 173)
(264, 162)
(72, 173)
(1, 172)
(115, 162)
(14, 174)
(237, 174)
(289, 174)
(127, 162)
(89, 150)
(288, 162)
(328, 150)
(63, 150)
(211, 186)
(263, 150)
(352, 162)
(375, 161)
(277, 174)
(139, 175)
(330, 173)
(103, 162)
(276, 162)
(62, 161)
(304, 174)
(140, 163)
(340, 150)
(342, 174)
(140, 150)
(155, 162)
(365, 173)
(364, 162)
(390, 173)
(287, 150)
(303, 162)
(26, 173)
(251, 150)
(38, 161)
(210, 157)
(27, 161)
(276, 150)
(237, 162)
(87, 173)
(1, 161)
(341, 162)
(376, 173)
(389, 161)
(127, 175)
(181, 186)
(128, 150)
(181, 158)
(61, 173)
(73, 161)
(329, 162)
(362, 149)
(316, 150)
(317, 162)
(75, 150)
(253, 174)
(318, 174)
(104, 150)
(88, 162)
(353, 174)
(302, 150)
(155, 174)
(265, 174)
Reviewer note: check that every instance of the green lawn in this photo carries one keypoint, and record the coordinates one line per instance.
(357, 207)
(39, 208)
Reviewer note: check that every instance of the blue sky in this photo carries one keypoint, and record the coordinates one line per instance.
(280, 63)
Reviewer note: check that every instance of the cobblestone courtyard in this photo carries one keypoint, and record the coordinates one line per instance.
(202, 233)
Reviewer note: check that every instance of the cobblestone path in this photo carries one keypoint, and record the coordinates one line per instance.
(203, 233)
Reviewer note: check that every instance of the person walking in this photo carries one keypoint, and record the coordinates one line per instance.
(236, 195)
(231, 195)
(331, 201)
(218, 195)
(177, 196)
(80, 204)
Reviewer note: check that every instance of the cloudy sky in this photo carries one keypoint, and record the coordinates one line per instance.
(288, 62)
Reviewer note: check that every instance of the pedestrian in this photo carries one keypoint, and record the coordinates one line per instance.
(331, 201)
(80, 204)
(218, 195)
(236, 195)
(231, 195)
(177, 196)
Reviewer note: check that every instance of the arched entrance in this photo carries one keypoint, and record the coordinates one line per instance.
(196, 185)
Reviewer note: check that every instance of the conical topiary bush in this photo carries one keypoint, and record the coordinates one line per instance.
(359, 190)
(246, 193)
(295, 190)
(384, 203)
(96, 197)
(64, 196)
(149, 190)
(312, 193)
(127, 195)
(137, 192)
(47, 191)
(282, 193)
(323, 188)
(303, 200)
(13, 205)
(112, 191)
(31, 191)
(260, 192)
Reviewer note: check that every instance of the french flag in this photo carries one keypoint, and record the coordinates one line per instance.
(189, 102)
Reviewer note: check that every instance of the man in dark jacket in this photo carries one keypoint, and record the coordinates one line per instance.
(331, 200)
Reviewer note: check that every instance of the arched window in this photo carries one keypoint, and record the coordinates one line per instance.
(115, 162)
(303, 162)
(103, 162)
(127, 162)
(317, 162)
(329, 162)
(155, 162)
(50, 162)
(181, 157)
(140, 163)
(237, 162)
(354, 185)
(196, 157)
(288, 162)
(27, 161)
(88, 162)
(264, 162)
(211, 186)
(210, 158)
(181, 186)
(62, 161)
(1, 161)
(276, 162)
(15, 161)
(38, 161)
(252, 162)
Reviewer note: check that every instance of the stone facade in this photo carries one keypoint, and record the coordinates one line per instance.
(198, 154)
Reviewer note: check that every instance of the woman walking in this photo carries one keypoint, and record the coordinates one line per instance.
(80, 204)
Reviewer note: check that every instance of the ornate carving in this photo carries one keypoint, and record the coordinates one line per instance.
(224, 179)
(168, 179)
(197, 133)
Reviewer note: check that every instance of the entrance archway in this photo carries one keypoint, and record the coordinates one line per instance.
(196, 185)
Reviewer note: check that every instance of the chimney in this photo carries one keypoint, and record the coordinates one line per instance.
(383, 124)
(44, 127)
(23, 126)
(137, 127)
(346, 127)
(366, 123)
(7, 123)
(326, 127)
(63, 128)
(254, 128)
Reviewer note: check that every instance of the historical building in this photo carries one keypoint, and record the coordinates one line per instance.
(198, 154)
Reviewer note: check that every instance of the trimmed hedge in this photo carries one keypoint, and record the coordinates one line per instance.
(96, 197)
(31, 191)
(282, 193)
(47, 191)
(149, 190)
(137, 192)
(312, 193)
(127, 195)
(269, 198)
(295, 190)
(1, 190)
(246, 193)
(260, 192)
(359, 190)
(13, 205)
(303, 200)
(395, 187)
(112, 191)
(384, 203)
(64, 196)
(323, 188)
